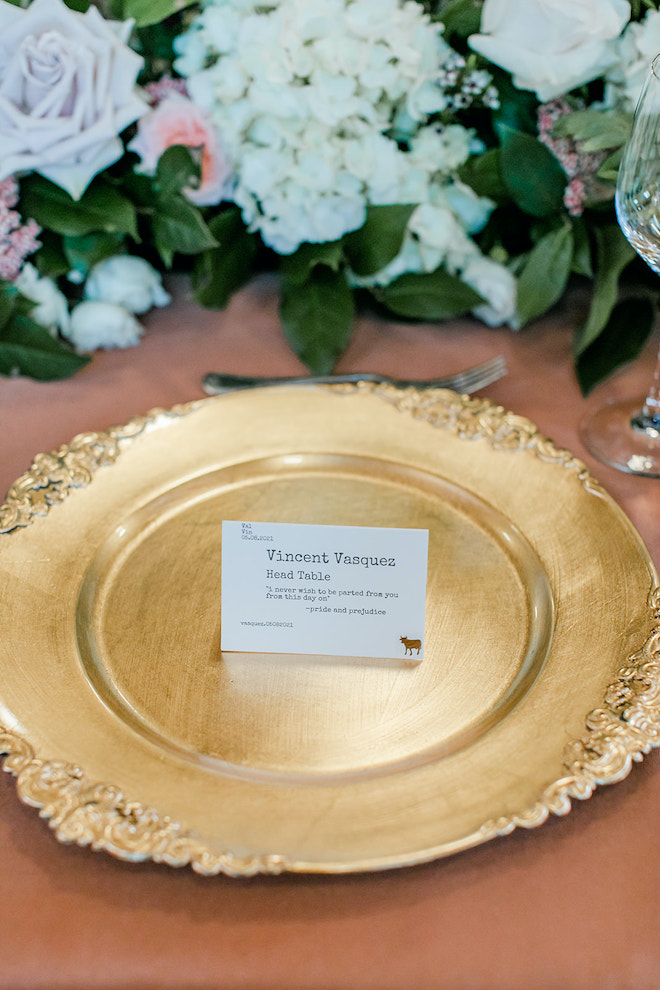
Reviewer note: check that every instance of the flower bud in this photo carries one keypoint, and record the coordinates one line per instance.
(127, 281)
(102, 324)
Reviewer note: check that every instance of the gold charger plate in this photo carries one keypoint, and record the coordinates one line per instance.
(131, 732)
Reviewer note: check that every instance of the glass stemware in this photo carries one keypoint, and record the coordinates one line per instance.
(626, 434)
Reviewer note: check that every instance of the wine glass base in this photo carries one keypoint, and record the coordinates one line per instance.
(613, 433)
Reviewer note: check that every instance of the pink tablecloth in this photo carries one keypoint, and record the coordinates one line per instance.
(573, 905)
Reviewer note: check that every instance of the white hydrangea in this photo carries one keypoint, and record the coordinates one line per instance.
(635, 49)
(307, 97)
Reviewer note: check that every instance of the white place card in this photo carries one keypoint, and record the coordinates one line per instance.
(327, 590)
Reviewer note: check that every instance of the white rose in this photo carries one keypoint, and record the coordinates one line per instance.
(67, 90)
(52, 309)
(636, 48)
(551, 46)
(102, 324)
(127, 281)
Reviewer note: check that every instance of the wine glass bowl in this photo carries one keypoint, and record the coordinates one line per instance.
(626, 434)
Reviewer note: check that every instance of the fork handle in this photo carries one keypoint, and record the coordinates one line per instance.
(213, 383)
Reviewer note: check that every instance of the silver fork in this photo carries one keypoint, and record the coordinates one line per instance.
(467, 381)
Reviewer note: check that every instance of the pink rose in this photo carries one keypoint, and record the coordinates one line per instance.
(177, 120)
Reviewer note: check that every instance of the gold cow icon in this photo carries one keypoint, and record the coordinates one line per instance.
(411, 644)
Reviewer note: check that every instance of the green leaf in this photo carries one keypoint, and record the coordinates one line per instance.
(177, 168)
(147, 12)
(141, 189)
(82, 253)
(436, 296)
(26, 348)
(483, 173)
(613, 253)
(621, 340)
(595, 130)
(461, 17)
(222, 270)
(50, 259)
(154, 42)
(379, 239)
(102, 207)
(297, 267)
(518, 107)
(543, 279)
(609, 170)
(8, 296)
(582, 263)
(178, 227)
(317, 317)
(532, 175)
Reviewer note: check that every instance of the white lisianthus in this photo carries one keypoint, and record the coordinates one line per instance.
(102, 324)
(408, 260)
(128, 281)
(635, 49)
(67, 91)
(497, 286)
(434, 238)
(551, 46)
(51, 309)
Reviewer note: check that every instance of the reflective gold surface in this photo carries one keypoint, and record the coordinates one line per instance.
(539, 594)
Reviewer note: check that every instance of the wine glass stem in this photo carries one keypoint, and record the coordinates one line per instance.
(648, 419)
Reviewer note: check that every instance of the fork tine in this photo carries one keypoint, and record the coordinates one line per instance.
(473, 379)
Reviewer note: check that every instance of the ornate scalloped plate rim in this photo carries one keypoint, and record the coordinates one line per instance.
(100, 816)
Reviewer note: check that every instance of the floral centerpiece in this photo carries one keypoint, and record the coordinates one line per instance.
(431, 159)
